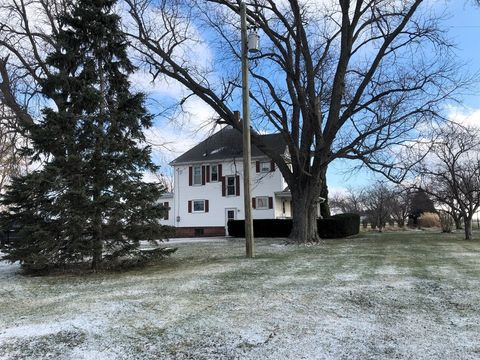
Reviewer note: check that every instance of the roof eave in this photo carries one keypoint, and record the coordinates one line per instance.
(179, 163)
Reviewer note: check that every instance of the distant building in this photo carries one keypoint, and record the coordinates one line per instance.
(208, 185)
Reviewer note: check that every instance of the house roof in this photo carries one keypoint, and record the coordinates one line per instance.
(228, 143)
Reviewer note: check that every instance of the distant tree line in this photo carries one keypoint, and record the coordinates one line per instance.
(382, 204)
(446, 181)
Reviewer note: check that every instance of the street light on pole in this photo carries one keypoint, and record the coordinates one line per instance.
(250, 43)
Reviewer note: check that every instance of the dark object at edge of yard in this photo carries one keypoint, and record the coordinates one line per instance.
(8, 235)
(336, 226)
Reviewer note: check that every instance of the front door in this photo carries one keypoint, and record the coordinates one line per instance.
(230, 214)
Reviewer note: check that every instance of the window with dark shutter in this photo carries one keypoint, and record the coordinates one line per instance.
(214, 173)
(224, 190)
(265, 166)
(198, 175)
(272, 165)
(208, 173)
(203, 175)
(254, 203)
(167, 209)
(237, 185)
(257, 166)
(230, 185)
(190, 176)
(199, 206)
(219, 171)
(261, 202)
(270, 202)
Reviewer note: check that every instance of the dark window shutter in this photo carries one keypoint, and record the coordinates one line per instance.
(190, 176)
(254, 203)
(223, 186)
(270, 202)
(167, 208)
(206, 206)
(257, 166)
(203, 175)
(237, 185)
(208, 173)
(272, 165)
(189, 206)
(219, 170)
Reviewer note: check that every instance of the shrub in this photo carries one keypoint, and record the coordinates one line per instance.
(236, 228)
(261, 227)
(428, 220)
(337, 226)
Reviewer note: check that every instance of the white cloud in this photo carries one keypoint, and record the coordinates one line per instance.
(464, 116)
(171, 138)
(141, 80)
(337, 190)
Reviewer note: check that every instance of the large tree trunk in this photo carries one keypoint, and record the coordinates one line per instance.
(468, 227)
(304, 216)
(380, 225)
(324, 206)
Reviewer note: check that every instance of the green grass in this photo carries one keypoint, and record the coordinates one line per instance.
(393, 295)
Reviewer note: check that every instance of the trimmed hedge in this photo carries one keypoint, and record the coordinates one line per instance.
(261, 227)
(337, 226)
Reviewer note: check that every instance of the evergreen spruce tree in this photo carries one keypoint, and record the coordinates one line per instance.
(420, 203)
(88, 202)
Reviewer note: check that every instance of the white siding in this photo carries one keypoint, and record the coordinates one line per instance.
(263, 184)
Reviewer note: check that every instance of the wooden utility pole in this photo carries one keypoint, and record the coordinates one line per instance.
(247, 155)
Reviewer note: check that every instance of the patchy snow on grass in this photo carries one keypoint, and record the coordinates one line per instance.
(389, 296)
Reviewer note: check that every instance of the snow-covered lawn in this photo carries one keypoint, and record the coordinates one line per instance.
(405, 295)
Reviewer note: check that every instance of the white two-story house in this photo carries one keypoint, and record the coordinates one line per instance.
(208, 185)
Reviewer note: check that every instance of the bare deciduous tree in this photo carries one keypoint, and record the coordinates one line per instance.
(26, 28)
(12, 161)
(349, 202)
(452, 173)
(400, 205)
(377, 202)
(342, 79)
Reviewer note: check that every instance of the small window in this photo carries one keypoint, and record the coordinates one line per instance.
(265, 166)
(214, 173)
(199, 232)
(198, 205)
(262, 202)
(197, 175)
(230, 185)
